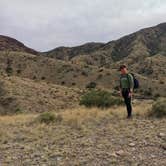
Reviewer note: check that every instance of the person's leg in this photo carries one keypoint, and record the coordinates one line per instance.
(127, 101)
(129, 106)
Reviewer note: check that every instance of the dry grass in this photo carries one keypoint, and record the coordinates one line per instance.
(31, 96)
(84, 136)
(82, 115)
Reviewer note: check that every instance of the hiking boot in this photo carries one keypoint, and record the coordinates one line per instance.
(129, 117)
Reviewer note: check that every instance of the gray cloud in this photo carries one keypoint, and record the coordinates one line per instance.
(44, 25)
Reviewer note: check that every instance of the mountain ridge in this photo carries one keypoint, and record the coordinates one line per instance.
(121, 48)
(10, 44)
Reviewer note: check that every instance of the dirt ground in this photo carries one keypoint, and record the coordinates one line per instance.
(85, 137)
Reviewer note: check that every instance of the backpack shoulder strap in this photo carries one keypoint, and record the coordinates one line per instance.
(128, 79)
(120, 81)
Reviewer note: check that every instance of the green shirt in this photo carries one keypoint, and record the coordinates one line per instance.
(126, 81)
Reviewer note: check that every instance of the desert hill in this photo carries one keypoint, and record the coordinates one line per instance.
(146, 42)
(19, 95)
(9, 44)
(67, 53)
(49, 70)
(71, 69)
(139, 50)
(143, 51)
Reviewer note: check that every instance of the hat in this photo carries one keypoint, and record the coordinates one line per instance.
(122, 67)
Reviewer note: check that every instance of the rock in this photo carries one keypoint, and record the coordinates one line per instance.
(153, 156)
(121, 153)
(112, 154)
(161, 135)
(133, 149)
(163, 146)
(132, 144)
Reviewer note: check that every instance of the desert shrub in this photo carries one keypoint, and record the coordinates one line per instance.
(147, 92)
(18, 110)
(161, 82)
(146, 71)
(159, 108)
(101, 70)
(9, 70)
(73, 83)
(101, 99)
(91, 85)
(75, 76)
(86, 66)
(63, 83)
(34, 78)
(157, 95)
(99, 76)
(48, 117)
(84, 73)
(115, 93)
(116, 88)
(18, 71)
(43, 78)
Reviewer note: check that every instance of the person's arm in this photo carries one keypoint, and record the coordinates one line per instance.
(131, 81)
(120, 87)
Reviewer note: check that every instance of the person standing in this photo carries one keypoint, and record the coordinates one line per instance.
(126, 88)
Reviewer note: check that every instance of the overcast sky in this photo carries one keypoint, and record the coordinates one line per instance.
(46, 24)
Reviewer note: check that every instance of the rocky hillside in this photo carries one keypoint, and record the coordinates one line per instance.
(71, 70)
(19, 95)
(9, 44)
(49, 70)
(146, 42)
(67, 53)
(143, 51)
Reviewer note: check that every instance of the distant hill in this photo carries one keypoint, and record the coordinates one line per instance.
(67, 53)
(10, 44)
(138, 50)
(146, 42)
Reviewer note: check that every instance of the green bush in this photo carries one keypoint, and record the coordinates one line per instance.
(91, 85)
(99, 98)
(48, 117)
(159, 108)
(18, 110)
(147, 92)
(9, 70)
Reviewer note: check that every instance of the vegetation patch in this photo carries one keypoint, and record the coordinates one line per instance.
(100, 98)
(159, 108)
(91, 85)
(18, 110)
(48, 117)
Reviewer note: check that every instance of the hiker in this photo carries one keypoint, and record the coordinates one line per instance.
(126, 88)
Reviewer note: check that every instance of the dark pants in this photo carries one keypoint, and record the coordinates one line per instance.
(127, 100)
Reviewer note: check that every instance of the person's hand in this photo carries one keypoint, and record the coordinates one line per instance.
(130, 94)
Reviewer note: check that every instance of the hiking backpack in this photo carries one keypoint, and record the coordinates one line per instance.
(136, 82)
